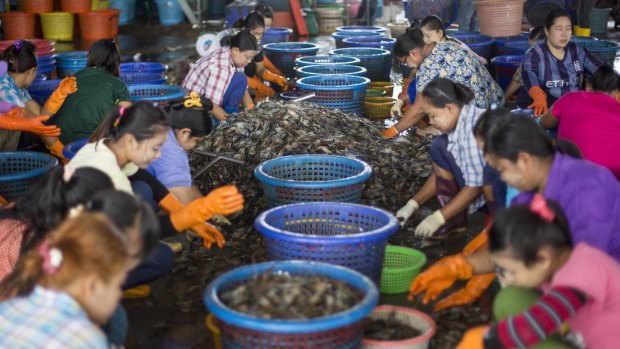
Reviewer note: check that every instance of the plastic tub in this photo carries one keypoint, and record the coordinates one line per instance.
(362, 28)
(18, 25)
(76, 6)
(274, 34)
(400, 267)
(128, 10)
(38, 6)
(378, 107)
(57, 26)
(159, 94)
(41, 90)
(499, 46)
(330, 69)
(414, 318)
(339, 36)
(20, 170)
(343, 92)
(604, 50)
(388, 87)
(284, 54)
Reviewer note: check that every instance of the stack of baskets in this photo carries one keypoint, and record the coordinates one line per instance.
(329, 18)
(20, 170)
(480, 44)
(44, 51)
(144, 73)
(378, 62)
(127, 8)
(284, 54)
(70, 63)
(275, 34)
(340, 36)
(344, 92)
(505, 68)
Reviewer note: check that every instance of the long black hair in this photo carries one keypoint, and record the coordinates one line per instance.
(265, 10)
(48, 202)
(250, 22)
(524, 232)
(105, 54)
(488, 121)
(243, 40)
(553, 15)
(193, 116)
(20, 56)
(142, 120)
(605, 79)
(433, 23)
(411, 39)
(522, 134)
(442, 91)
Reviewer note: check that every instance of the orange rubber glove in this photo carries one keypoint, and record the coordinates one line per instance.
(16, 120)
(540, 100)
(210, 234)
(56, 150)
(472, 290)
(67, 86)
(276, 79)
(3, 201)
(261, 91)
(478, 242)
(272, 68)
(390, 132)
(224, 200)
(473, 338)
(440, 276)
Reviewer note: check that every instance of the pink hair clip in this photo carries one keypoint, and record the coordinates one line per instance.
(121, 111)
(52, 259)
(539, 206)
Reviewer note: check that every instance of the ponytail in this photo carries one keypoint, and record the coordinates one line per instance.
(105, 54)
(243, 40)
(86, 245)
(411, 39)
(265, 10)
(250, 22)
(192, 112)
(442, 91)
(142, 120)
(20, 56)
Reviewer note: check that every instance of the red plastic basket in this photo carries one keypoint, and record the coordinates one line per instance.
(76, 6)
(38, 6)
(18, 25)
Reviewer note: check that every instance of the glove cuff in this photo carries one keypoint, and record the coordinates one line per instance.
(462, 269)
(440, 218)
(412, 204)
(536, 91)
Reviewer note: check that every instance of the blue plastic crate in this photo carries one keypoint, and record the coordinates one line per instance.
(128, 10)
(344, 92)
(72, 148)
(144, 67)
(604, 50)
(41, 90)
(377, 61)
(284, 54)
(170, 12)
(159, 94)
(20, 170)
(330, 69)
(374, 42)
(316, 60)
(349, 235)
(343, 330)
(309, 178)
(275, 34)
(505, 68)
(143, 78)
(339, 36)
(481, 44)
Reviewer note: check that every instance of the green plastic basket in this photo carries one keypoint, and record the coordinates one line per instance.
(401, 265)
(373, 92)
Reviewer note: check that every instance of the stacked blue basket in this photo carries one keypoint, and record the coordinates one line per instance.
(144, 67)
(505, 68)
(284, 54)
(361, 28)
(41, 90)
(499, 46)
(45, 67)
(516, 47)
(275, 34)
(337, 331)
(330, 69)
(143, 78)
(158, 94)
(20, 170)
(69, 63)
(481, 44)
(72, 148)
(604, 50)
(128, 10)
(372, 41)
(377, 61)
(170, 12)
(330, 60)
(344, 92)
(349, 235)
(339, 36)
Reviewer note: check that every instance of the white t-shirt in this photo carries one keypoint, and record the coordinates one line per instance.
(99, 156)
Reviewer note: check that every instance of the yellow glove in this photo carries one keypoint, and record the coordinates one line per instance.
(67, 86)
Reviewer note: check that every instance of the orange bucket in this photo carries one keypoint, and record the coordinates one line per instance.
(115, 13)
(18, 25)
(76, 6)
(38, 6)
(95, 24)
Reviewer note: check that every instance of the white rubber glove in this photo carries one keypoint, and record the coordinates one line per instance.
(430, 225)
(407, 211)
(397, 108)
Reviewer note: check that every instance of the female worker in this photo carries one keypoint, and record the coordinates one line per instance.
(458, 162)
(100, 89)
(443, 59)
(530, 161)
(219, 76)
(555, 66)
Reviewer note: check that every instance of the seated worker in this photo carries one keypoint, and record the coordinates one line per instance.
(536, 34)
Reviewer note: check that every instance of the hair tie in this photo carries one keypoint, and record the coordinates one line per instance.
(52, 259)
(192, 100)
(121, 111)
(18, 45)
(67, 174)
(539, 206)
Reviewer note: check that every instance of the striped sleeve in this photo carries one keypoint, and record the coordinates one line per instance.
(532, 326)
(590, 62)
(531, 68)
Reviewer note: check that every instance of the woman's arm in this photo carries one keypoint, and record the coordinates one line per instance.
(548, 120)
(461, 201)
(260, 69)
(185, 195)
(219, 113)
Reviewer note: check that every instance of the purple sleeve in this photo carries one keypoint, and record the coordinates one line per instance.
(172, 168)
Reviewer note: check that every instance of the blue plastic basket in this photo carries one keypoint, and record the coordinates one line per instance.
(284, 54)
(72, 148)
(290, 95)
(144, 67)
(337, 331)
(499, 46)
(377, 61)
(505, 68)
(41, 90)
(72, 58)
(604, 50)
(19, 170)
(344, 92)
(339, 36)
(159, 94)
(170, 12)
(45, 60)
(128, 10)
(349, 235)
(143, 78)
(309, 178)
(275, 34)
(330, 69)
(68, 70)
(46, 70)
(517, 47)
(361, 28)
(330, 60)
(370, 41)
(481, 44)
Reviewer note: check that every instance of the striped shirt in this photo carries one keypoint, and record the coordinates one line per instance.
(462, 145)
(10, 93)
(557, 77)
(211, 75)
(47, 319)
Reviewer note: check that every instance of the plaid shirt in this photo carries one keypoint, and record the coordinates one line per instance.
(211, 75)
(462, 145)
(10, 93)
(11, 232)
(47, 319)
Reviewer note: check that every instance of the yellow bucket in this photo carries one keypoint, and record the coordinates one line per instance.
(57, 26)
(210, 321)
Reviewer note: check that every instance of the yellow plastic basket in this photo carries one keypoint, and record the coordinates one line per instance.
(57, 26)
(388, 87)
(211, 325)
(378, 107)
